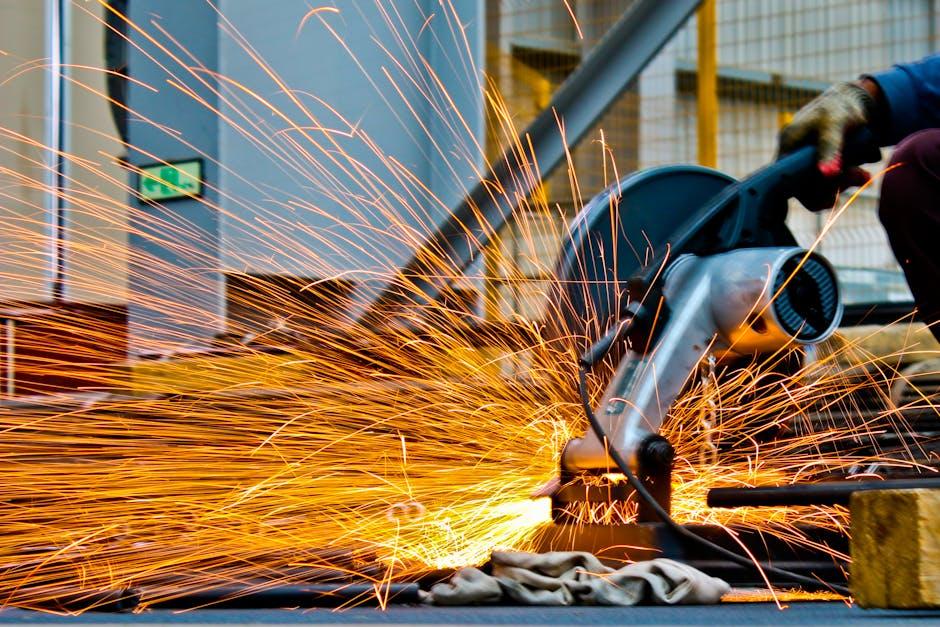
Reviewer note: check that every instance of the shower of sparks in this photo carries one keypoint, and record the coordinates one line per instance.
(370, 453)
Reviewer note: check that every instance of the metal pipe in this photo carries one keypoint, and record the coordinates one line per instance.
(243, 596)
(291, 596)
(707, 81)
(57, 48)
(825, 493)
(857, 314)
(77, 600)
(578, 103)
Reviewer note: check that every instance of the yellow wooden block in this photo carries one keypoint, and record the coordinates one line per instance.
(896, 548)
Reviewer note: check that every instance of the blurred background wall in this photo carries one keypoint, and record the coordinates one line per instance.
(772, 58)
(25, 177)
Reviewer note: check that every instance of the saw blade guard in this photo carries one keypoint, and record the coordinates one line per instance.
(745, 302)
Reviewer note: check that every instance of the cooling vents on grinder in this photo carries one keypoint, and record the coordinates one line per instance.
(807, 297)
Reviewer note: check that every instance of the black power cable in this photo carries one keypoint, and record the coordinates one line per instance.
(637, 485)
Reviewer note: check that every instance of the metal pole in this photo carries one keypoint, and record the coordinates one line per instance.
(248, 596)
(825, 493)
(10, 341)
(492, 263)
(578, 103)
(57, 47)
(707, 84)
(932, 16)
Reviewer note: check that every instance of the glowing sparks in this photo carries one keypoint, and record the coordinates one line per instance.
(312, 12)
(379, 454)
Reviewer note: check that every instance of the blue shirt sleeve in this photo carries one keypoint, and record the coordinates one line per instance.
(912, 93)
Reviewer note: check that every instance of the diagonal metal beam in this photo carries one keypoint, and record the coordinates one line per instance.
(578, 103)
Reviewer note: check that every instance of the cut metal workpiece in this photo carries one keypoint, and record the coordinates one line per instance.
(823, 493)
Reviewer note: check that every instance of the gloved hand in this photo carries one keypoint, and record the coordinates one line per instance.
(825, 122)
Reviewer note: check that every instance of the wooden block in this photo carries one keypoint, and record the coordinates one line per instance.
(895, 548)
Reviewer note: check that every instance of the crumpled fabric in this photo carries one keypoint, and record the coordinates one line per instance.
(575, 578)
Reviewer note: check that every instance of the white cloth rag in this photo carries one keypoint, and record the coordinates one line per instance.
(570, 578)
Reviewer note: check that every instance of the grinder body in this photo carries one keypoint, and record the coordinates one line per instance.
(690, 262)
(746, 302)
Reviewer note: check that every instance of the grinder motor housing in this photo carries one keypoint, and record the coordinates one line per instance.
(746, 302)
(688, 262)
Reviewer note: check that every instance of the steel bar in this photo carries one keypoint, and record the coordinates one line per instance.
(707, 85)
(578, 103)
(58, 47)
(291, 596)
(825, 493)
(76, 600)
(244, 596)
(857, 314)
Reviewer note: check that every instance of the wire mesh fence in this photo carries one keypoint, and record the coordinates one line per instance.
(772, 58)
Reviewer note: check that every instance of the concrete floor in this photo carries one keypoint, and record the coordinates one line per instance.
(818, 613)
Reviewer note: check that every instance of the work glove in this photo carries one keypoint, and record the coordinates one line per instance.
(825, 122)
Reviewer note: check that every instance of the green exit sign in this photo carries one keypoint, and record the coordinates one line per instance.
(166, 181)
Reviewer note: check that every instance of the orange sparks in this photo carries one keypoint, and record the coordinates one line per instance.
(308, 445)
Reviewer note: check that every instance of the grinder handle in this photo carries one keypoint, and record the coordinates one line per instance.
(755, 206)
(761, 199)
(797, 170)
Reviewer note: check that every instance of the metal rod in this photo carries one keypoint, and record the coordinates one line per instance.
(855, 314)
(578, 103)
(707, 82)
(10, 342)
(291, 596)
(68, 600)
(57, 47)
(244, 596)
(826, 493)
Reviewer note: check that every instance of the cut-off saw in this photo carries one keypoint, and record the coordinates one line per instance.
(664, 268)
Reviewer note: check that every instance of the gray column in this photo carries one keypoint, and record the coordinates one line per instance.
(175, 286)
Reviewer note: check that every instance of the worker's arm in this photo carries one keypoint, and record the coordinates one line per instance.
(893, 104)
(910, 96)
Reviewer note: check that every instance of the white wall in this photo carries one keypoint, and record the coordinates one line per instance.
(96, 257)
(23, 219)
(97, 232)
